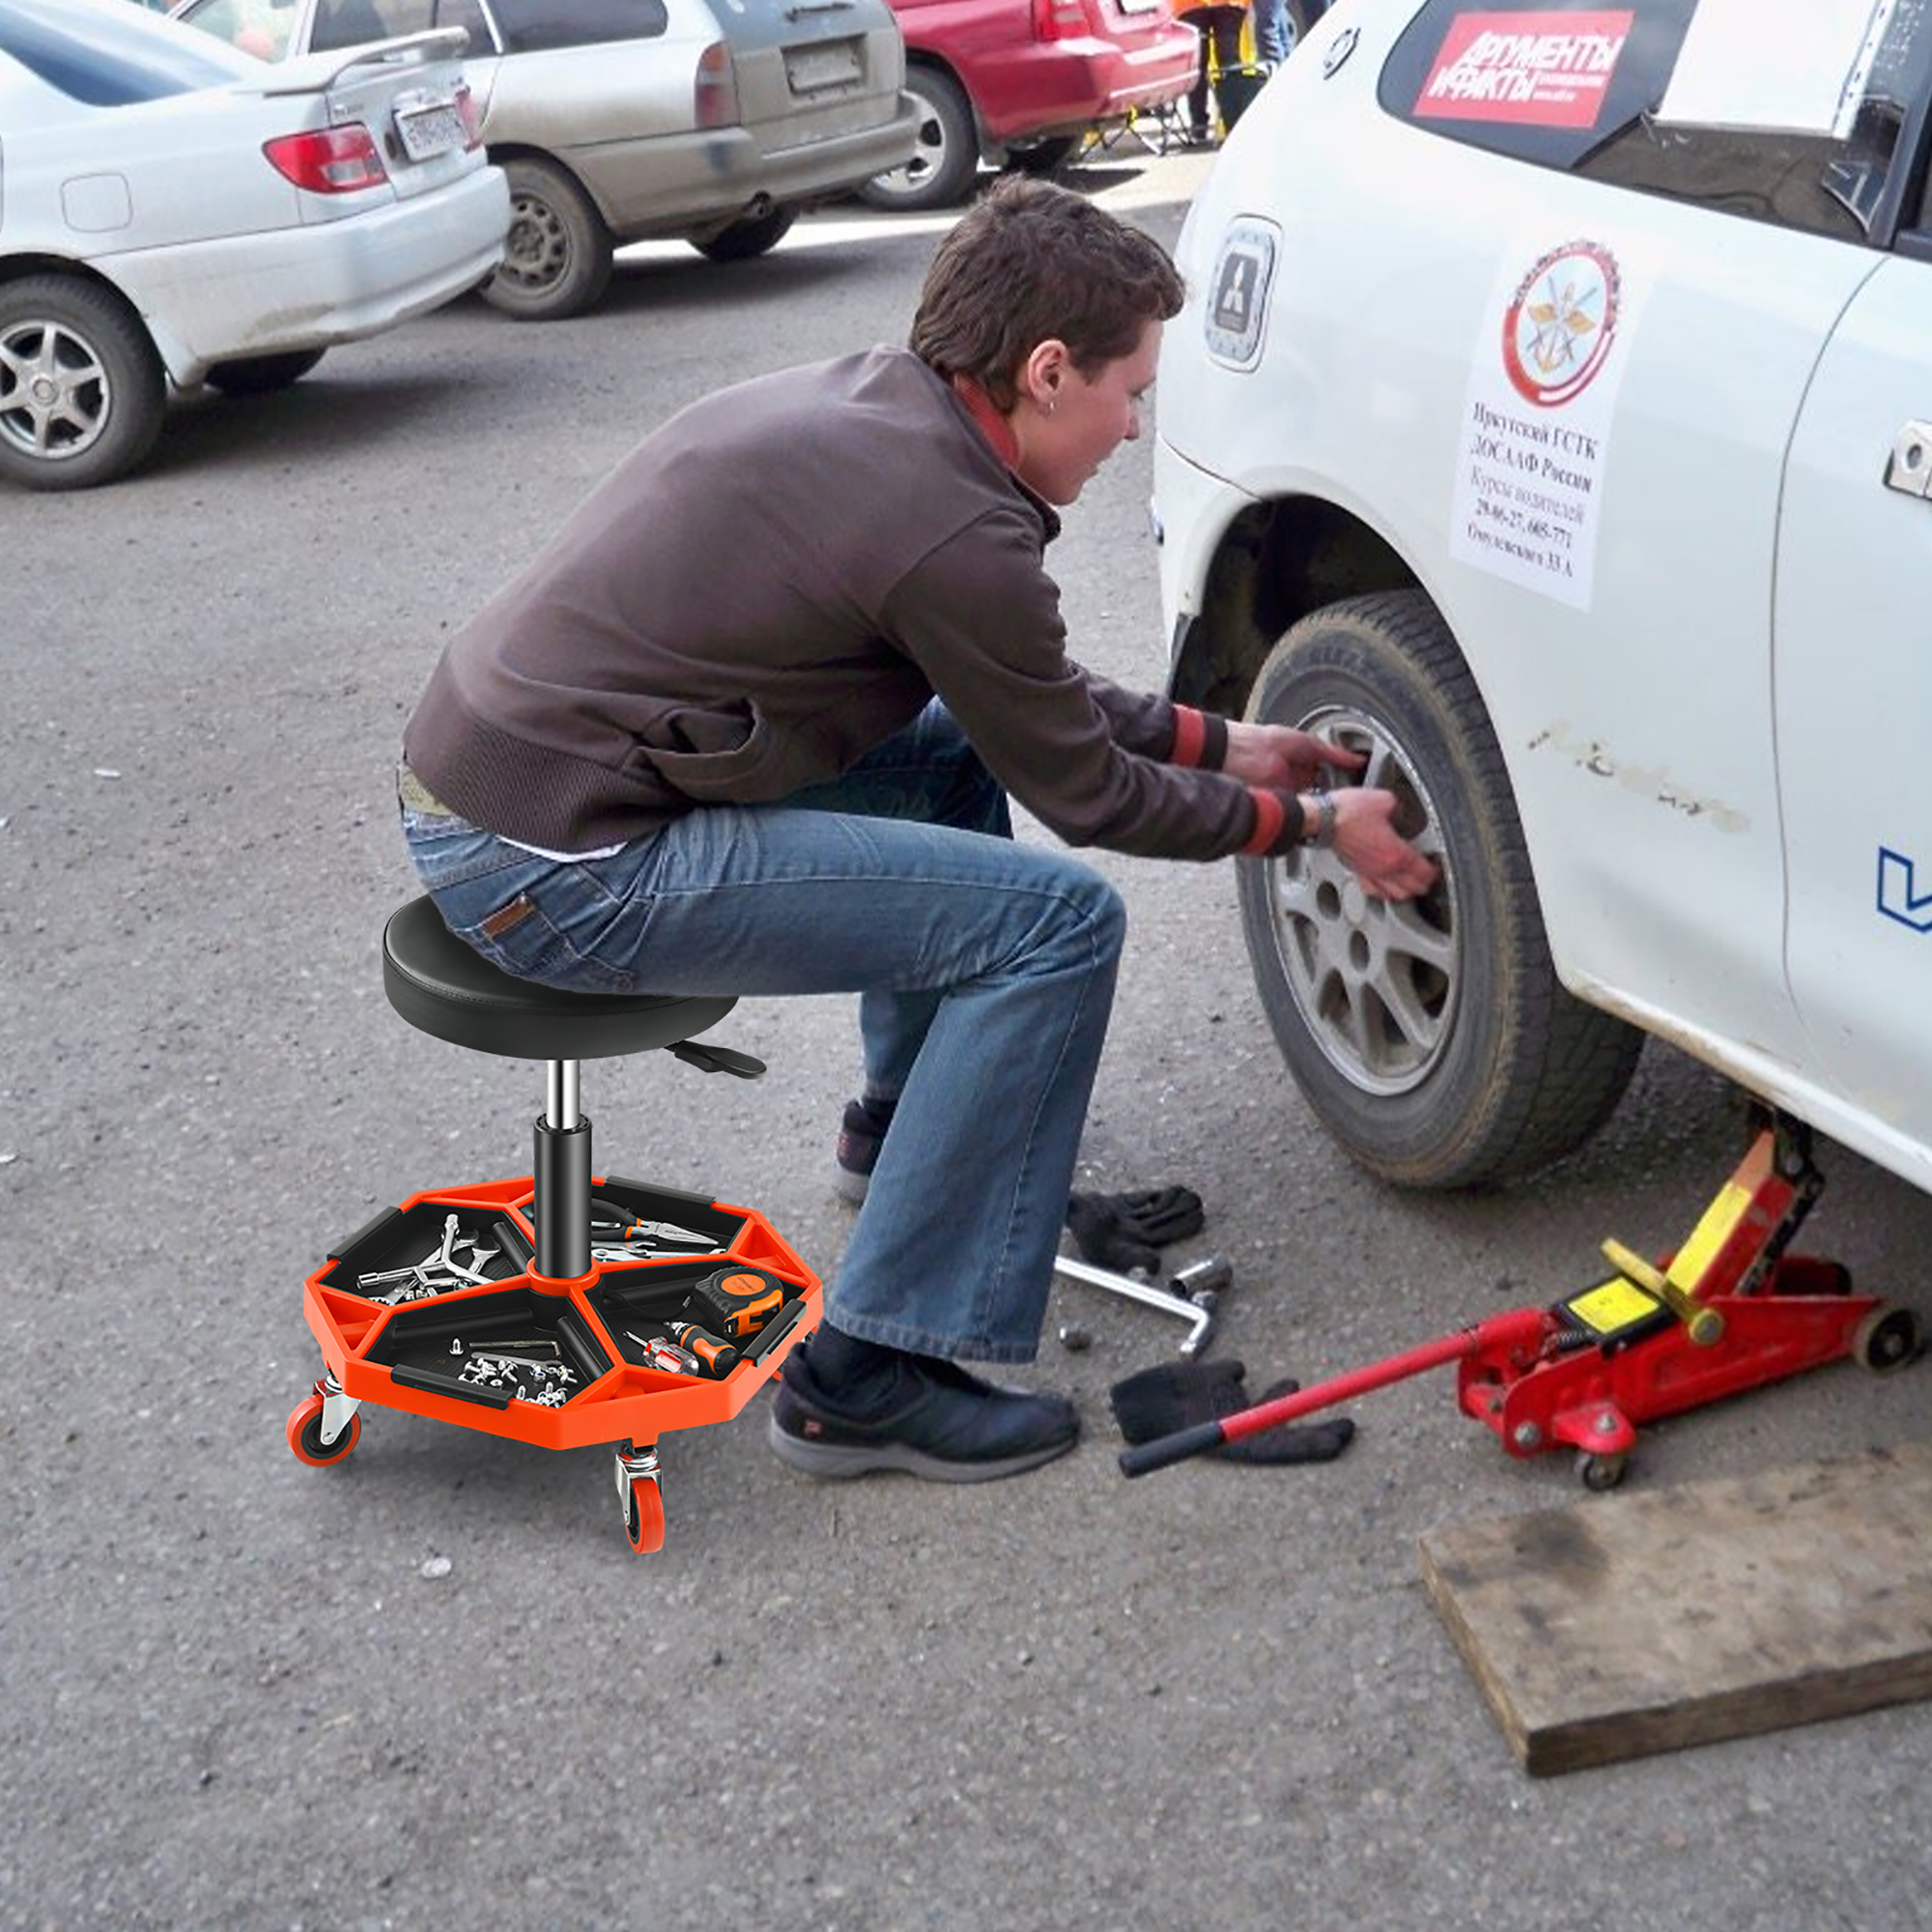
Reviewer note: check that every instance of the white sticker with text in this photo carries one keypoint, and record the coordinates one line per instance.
(1537, 419)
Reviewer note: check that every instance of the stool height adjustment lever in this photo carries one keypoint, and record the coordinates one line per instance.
(562, 1172)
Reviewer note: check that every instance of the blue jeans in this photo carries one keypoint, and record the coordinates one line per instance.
(1274, 35)
(986, 974)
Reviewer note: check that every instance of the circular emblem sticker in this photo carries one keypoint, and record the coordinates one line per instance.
(1560, 322)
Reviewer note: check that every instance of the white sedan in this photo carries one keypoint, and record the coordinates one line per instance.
(170, 210)
(1551, 420)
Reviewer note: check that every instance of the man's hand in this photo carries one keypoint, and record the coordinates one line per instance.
(1281, 758)
(1368, 844)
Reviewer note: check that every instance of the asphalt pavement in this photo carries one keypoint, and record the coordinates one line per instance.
(432, 1687)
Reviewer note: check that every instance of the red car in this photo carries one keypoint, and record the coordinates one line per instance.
(1022, 82)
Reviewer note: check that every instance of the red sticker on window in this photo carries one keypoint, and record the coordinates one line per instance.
(1537, 69)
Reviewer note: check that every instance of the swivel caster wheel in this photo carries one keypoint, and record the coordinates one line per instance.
(304, 1430)
(1886, 1338)
(640, 1498)
(1601, 1472)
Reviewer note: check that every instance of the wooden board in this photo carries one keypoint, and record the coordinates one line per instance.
(1643, 1621)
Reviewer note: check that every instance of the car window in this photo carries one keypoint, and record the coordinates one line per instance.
(1701, 100)
(149, 62)
(528, 24)
(348, 23)
(258, 27)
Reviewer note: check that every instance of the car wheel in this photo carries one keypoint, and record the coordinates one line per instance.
(743, 240)
(1045, 157)
(82, 392)
(556, 261)
(262, 375)
(947, 161)
(1432, 1038)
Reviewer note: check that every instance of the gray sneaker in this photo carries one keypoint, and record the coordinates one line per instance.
(939, 1422)
(861, 1135)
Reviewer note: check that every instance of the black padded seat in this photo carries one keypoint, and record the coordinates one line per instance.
(443, 988)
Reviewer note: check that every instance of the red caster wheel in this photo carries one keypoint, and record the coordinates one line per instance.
(644, 1516)
(639, 1499)
(304, 1433)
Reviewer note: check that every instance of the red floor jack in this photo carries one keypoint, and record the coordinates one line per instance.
(1730, 1311)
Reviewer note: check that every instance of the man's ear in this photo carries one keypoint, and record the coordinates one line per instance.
(1044, 370)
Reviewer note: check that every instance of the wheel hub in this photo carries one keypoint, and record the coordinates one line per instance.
(1376, 980)
(53, 390)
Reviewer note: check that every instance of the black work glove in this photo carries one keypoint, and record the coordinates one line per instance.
(1163, 1401)
(1128, 1231)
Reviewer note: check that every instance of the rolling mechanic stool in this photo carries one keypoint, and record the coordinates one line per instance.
(555, 1309)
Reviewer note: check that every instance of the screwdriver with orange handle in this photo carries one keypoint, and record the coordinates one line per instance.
(719, 1359)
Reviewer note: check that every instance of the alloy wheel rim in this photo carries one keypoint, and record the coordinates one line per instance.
(55, 395)
(1376, 981)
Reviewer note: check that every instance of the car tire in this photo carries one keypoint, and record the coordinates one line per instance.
(745, 239)
(263, 375)
(82, 391)
(946, 163)
(1431, 1038)
(556, 261)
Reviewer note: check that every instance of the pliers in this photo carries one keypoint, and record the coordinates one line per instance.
(615, 1236)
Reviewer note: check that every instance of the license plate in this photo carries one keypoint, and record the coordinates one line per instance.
(809, 68)
(430, 130)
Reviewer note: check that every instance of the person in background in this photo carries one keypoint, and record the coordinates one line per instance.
(1219, 25)
(1274, 35)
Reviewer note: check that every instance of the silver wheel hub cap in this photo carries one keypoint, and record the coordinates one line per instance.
(1377, 983)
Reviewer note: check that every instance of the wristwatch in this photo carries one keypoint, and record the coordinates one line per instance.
(1321, 832)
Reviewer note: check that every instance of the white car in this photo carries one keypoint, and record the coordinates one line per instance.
(173, 212)
(1552, 420)
(708, 121)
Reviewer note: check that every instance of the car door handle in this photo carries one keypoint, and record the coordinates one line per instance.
(1910, 471)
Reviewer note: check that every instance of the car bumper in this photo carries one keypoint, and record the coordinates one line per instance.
(1067, 86)
(310, 287)
(696, 183)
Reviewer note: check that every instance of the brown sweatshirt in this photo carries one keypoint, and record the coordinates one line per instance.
(773, 583)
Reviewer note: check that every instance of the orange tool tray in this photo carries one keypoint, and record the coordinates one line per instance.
(615, 1396)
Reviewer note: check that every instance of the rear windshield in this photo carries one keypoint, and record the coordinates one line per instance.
(1807, 120)
(137, 58)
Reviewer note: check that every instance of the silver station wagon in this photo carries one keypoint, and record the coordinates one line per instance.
(617, 121)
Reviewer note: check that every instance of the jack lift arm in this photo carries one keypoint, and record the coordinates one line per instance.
(1729, 1311)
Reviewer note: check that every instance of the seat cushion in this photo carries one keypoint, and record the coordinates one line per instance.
(443, 987)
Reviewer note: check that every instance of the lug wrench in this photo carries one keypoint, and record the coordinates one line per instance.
(1194, 1294)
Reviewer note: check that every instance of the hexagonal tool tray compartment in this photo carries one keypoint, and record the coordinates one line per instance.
(415, 1253)
(640, 1301)
(697, 1212)
(438, 1348)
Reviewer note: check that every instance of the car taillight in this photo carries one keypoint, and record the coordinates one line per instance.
(717, 95)
(330, 161)
(1058, 20)
(472, 116)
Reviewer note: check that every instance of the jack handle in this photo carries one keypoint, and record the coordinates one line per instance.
(1701, 1322)
(1523, 1329)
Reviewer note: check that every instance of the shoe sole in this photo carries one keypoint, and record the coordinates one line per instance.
(837, 1462)
(850, 1187)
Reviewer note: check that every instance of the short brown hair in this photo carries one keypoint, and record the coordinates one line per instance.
(1031, 262)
